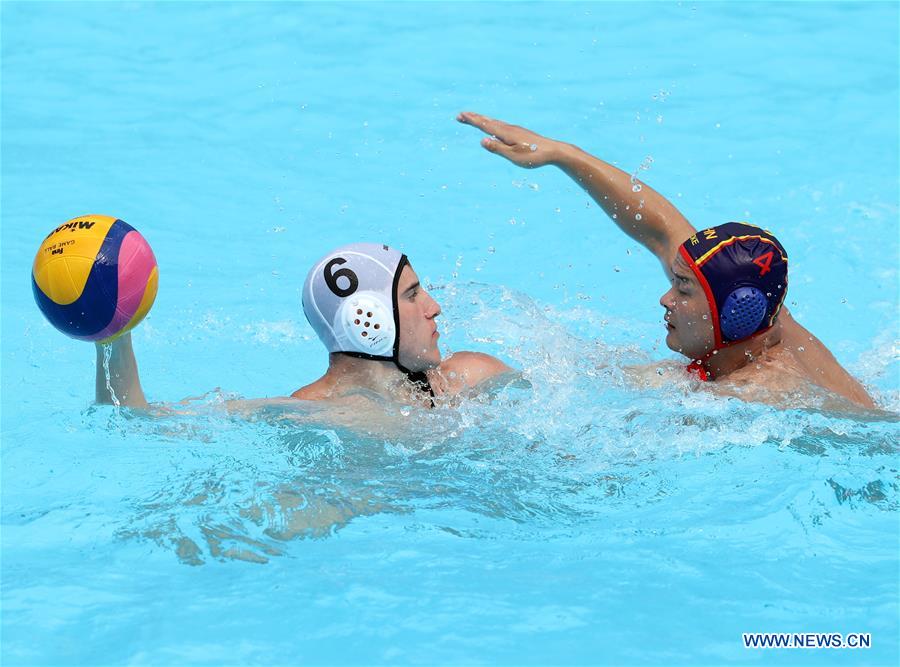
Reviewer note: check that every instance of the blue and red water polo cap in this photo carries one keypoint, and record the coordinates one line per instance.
(743, 271)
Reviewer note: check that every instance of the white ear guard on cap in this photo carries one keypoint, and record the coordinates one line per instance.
(349, 299)
(367, 324)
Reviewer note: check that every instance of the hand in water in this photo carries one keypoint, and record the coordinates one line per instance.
(517, 144)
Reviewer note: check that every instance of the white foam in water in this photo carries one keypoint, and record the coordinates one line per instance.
(534, 451)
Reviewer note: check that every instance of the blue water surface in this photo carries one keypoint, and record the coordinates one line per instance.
(583, 520)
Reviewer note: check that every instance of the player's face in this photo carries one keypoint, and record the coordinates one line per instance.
(418, 328)
(688, 318)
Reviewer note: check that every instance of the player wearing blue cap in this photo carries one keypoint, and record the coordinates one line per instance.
(378, 323)
(723, 311)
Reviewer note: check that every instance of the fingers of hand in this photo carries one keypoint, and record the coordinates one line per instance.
(496, 128)
(472, 118)
(515, 153)
(495, 145)
(492, 144)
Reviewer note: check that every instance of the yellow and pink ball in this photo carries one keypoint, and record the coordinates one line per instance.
(94, 278)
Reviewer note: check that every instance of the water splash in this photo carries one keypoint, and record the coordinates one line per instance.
(645, 165)
(107, 355)
(576, 438)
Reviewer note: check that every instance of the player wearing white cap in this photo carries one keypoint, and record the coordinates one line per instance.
(378, 324)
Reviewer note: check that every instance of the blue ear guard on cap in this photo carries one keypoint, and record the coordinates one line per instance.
(742, 312)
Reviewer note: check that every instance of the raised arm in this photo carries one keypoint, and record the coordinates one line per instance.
(638, 210)
(123, 375)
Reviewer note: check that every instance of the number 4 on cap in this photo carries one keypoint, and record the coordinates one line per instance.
(764, 262)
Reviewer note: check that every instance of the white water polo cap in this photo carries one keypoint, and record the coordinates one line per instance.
(350, 300)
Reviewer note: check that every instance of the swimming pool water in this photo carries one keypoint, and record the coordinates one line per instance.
(579, 521)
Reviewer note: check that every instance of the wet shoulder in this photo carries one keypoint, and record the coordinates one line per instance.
(819, 365)
(319, 390)
(464, 370)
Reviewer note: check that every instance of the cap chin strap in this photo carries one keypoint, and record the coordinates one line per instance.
(418, 379)
(698, 367)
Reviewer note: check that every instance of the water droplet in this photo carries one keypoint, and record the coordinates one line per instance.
(706, 317)
(405, 411)
(801, 349)
(659, 371)
(492, 249)
(617, 269)
(638, 216)
(636, 187)
(533, 147)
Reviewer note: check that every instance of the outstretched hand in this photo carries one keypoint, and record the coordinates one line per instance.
(517, 144)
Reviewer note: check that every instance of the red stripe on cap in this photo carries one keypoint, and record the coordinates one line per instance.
(705, 257)
(686, 256)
